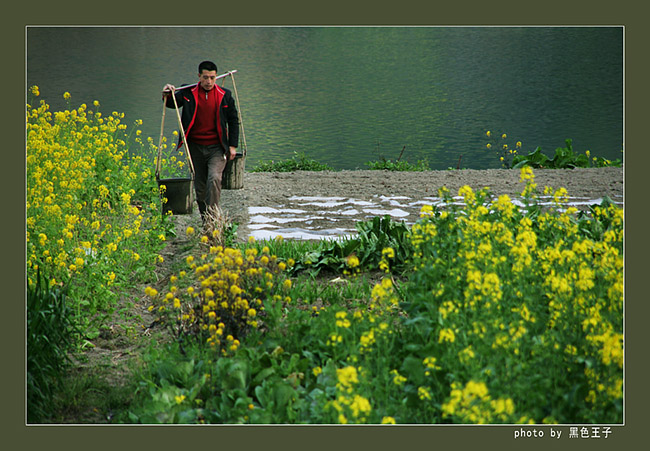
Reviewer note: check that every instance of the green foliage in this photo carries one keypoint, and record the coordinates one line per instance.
(504, 316)
(299, 162)
(373, 236)
(49, 339)
(387, 164)
(285, 250)
(564, 158)
(254, 386)
(230, 234)
(384, 164)
(275, 381)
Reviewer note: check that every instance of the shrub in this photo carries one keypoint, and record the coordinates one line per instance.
(226, 294)
(519, 309)
(384, 164)
(564, 157)
(93, 206)
(299, 162)
(380, 242)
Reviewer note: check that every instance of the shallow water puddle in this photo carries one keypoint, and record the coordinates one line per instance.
(261, 219)
(301, 234)
(316, 218)
(395, 212)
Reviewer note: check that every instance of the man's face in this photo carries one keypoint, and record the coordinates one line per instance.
(208, 78)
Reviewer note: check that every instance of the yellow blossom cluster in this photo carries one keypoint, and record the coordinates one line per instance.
(383, 294)
(349, 406)
(91, 203)
(500, 287)
(352, 263)
(473, 404)
(226, 295)
(387, 254)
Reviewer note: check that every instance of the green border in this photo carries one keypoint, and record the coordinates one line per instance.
(257, 12)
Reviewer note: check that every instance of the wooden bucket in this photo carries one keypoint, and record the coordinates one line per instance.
(233, 173)
(179, 193)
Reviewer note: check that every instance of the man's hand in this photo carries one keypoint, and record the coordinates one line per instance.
(233, 153)
(167, 89)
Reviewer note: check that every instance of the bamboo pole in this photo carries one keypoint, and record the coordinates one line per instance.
(194, 84)
(180, 124)
(162, 126)
(241, 122)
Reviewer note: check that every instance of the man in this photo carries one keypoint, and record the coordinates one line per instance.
(211, 125)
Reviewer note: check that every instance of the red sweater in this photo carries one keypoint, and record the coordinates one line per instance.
(204, 131)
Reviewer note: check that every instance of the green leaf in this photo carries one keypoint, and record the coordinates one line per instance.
(413, 369)
(283, 393)
(262, 375)
(262, 397)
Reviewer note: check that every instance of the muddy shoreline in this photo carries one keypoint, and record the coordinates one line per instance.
(330, 202)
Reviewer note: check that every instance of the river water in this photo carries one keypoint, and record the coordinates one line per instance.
(347, 95)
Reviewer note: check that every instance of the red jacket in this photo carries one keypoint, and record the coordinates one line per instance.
(227, 119)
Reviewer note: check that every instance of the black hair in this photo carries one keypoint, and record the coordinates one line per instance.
(207, 65)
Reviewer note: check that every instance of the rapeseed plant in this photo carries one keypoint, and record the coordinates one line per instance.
(519, 287)
(230, 294)
(93, 216)
(503, 150)
(506, 315)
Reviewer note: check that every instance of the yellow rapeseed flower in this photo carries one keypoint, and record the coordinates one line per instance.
(360, 406)
(352, 261)
(388, 252)
(446, 335)
(424, 394)
(347, 377)
(398, 379)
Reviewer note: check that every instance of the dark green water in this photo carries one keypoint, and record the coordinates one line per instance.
(347, 95)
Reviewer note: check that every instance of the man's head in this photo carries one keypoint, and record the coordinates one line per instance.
(207, 75)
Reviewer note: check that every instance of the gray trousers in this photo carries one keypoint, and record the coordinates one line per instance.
(209, 163)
